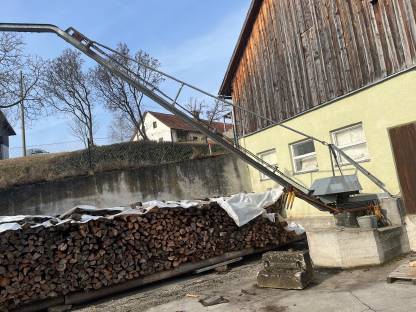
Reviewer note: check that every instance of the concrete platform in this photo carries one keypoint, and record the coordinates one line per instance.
(355, 247)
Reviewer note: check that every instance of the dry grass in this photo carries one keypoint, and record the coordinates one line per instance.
(51, 167)
(37, 168)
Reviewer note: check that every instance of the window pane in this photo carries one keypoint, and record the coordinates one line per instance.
(303, 148)
(349, 136)
(269, 157)
(306, 164)
(358, 152)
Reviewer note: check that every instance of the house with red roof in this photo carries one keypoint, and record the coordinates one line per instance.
(163, 127)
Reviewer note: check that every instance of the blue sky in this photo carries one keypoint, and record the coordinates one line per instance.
(193, 40)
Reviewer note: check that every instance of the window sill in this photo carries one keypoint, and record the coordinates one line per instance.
(358, 162)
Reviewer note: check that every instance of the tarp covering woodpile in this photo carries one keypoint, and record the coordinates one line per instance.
(88, 249)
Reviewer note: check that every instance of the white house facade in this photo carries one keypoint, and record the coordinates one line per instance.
(162, 127)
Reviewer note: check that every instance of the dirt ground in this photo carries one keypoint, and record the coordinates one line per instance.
(332, 290)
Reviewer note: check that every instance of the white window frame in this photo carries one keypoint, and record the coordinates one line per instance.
(294, 158)
(342, 162)
(264, 177)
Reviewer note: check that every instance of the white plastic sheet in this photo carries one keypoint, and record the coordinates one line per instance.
(85, 209)
(171, 204)
(243, 208)
(294, 227)
(9, 219)
(9, 227)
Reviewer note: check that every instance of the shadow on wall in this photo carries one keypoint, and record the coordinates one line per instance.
(190, 179)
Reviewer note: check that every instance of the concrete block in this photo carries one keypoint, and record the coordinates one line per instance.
(355, 247)
(286, 270)
(393, 210)
(324, 248)
(290, 260)
(283, 280)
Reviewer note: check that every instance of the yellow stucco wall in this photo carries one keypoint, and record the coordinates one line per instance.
(380, 107)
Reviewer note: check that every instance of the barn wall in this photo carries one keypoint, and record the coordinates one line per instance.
(302, 53)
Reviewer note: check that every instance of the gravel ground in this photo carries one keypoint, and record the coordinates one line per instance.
(332, 290)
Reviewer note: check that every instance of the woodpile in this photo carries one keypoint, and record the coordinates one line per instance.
(45, 262)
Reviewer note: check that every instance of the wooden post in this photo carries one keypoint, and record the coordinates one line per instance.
(22, 115)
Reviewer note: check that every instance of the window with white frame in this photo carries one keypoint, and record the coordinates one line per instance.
(352, 141)
(304, 156)
(270, 157)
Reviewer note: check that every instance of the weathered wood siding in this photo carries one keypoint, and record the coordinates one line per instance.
(302, 53)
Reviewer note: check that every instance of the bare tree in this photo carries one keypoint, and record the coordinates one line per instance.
(217, 111)
(196, 107)
(120, 130)
(12, 63)
(28, 89)
(11, 50)
(120, 97)
(214, 111)
(80, 131)
(68, 89)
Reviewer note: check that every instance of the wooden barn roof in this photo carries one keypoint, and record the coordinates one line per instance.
(225, 89)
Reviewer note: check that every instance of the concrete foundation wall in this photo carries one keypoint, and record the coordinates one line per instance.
(340, 247)
(213, 176)
(354, 247)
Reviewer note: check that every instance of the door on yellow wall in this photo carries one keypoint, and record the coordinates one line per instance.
(403, 142)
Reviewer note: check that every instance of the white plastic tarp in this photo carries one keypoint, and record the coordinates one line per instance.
(294, 227)
(171, 204)
(9, 227)
(85, 209)
(243, 208)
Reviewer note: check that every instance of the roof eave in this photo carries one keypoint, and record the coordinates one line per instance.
(7, 126)
(225, 89)
(11, 130)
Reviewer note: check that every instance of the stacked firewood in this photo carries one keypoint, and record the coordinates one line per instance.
(45, 262)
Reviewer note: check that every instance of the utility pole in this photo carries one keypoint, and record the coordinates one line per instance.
(22, 114)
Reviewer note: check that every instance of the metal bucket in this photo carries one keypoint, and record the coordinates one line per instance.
(367, 222)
